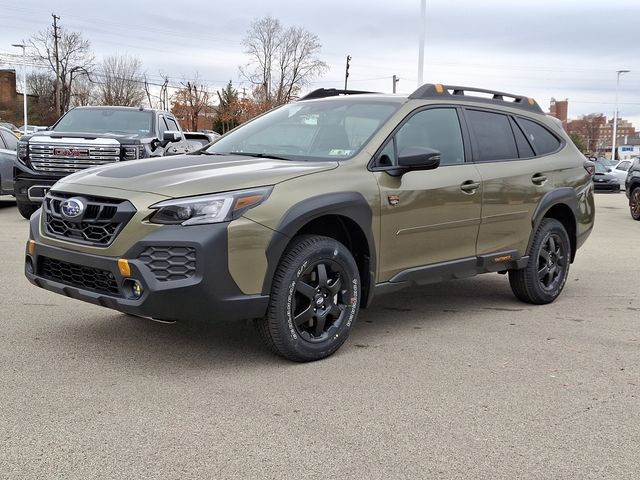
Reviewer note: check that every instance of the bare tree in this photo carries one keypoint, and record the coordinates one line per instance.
(74, 58)
(591, 127)
(190, 101)
(42, 86)
(281, 60)
(120, 81)
(83, 92)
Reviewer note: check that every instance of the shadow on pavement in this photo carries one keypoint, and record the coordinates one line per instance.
(220, 344)
(7, 202)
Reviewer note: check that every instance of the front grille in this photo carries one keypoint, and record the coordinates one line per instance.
(87, 278)
(101, 222)
(170, 263)
(67, 158)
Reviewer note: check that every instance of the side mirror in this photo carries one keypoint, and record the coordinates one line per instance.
(419, 158)
(415, 158)
(170, 136)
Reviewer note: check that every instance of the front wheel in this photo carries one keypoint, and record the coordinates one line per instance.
(634, 203)
(314, 300)
(542, 280)
(26, 209)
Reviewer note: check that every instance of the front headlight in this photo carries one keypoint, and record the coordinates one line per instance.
(22, 152)
(216, 208)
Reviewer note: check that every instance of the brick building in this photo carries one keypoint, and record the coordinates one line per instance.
(560, 110)
(595, 129)
(10, 100)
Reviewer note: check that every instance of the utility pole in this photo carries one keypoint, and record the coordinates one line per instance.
(56, 37)
(24, 81)
(346, 72)
(395, 80)
(615, 115)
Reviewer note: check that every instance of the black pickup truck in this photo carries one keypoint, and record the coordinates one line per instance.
(89, 136)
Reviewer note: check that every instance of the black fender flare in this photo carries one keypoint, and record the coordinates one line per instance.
(351, 205)
(561, 196)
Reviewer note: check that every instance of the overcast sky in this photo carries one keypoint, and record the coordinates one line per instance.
(540, 48)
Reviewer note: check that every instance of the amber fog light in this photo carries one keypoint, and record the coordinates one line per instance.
(133, 288)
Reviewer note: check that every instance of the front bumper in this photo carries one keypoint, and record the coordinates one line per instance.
(607, 186)
(207, 291)
(30, 186)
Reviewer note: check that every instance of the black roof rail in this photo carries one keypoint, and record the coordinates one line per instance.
(437, 90)
(330, 92)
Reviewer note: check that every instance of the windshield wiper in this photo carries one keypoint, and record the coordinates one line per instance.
(259, 155)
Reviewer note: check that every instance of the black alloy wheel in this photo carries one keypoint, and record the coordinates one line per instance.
(552, 261)
(314, 301)
(543, 278)
(321, 301)
(634, 203)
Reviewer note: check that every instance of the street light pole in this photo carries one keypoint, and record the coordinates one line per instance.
(24, 82)
(615, 115)
(423, 27)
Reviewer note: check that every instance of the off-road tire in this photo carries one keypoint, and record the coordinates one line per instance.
(310, 314)
(545, 275)
(634, 203)
(27, 209)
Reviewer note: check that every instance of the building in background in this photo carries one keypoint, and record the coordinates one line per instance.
(596, 130)
(11, 108)
(560, 110)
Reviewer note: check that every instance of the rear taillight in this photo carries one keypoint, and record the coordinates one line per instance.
(590, 167)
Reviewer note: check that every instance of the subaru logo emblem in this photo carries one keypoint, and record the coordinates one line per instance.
(72, 208)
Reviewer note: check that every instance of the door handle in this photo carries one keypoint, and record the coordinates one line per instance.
(469, 186)
(539, 179)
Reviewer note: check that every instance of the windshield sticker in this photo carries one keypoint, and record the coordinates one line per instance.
(338, 151)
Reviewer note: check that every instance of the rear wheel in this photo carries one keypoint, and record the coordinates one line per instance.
(314, 300)
(634, 203)
(27, 209)
(543, 279)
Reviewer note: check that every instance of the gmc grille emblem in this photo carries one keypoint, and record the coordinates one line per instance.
(71, 152)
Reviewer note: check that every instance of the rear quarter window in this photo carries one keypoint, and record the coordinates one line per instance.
(543, 141)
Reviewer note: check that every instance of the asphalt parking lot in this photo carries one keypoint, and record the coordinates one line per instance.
(458, 380)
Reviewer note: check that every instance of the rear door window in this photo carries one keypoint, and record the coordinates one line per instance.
(493, 136)
(524, 148)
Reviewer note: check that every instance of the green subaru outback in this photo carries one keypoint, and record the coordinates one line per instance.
(300, 217)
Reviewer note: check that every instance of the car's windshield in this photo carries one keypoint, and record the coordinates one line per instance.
(106, 120)
(600, 168)
(332, 129)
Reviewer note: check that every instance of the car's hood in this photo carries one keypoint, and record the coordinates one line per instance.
(604, 176)
(47, 134)
(186, 175)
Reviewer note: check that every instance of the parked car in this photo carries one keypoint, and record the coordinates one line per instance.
(303, 215)
(32, 128)
(620, 170)
(8, 145)
(11, 127)
(604, 180)
(89, 136)
(211, 134)
(632, 189)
